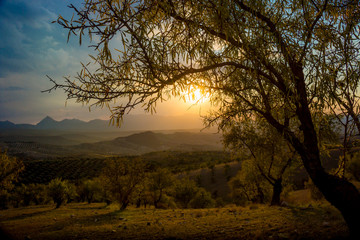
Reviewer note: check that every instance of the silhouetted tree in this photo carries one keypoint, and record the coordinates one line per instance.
(253, 58)
(121, 177)
(158, 182)
(270, 154)
(59, 191)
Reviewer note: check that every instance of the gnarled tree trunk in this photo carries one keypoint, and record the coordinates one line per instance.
(277, 189)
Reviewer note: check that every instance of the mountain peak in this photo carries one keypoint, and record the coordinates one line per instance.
(47, 121)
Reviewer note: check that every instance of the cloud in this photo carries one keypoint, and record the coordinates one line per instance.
(12, 88)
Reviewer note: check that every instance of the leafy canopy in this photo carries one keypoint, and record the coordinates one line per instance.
(246, 55)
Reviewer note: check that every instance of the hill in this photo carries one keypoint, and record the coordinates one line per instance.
(69, 144)
(146, 142)
(130, 123)
(94, 221)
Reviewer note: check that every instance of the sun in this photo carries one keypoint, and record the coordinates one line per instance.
(195, 95)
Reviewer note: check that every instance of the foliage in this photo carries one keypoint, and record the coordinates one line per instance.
(25, 195)
(202, 199)
(286, 62)
(249, 186)
(75, 169)
(60, 191)
(272, 157)
(89, 190)
(158, 182)
(10, 168)
(121, 177)
(184, 191)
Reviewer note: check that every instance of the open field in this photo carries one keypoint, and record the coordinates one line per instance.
(95, 221)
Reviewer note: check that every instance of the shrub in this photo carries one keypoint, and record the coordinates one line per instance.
(89, 190)
(121, 177)
(59, 191)
(184, 191)
(202, 199)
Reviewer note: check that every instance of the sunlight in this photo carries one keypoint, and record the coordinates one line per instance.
(195, 95)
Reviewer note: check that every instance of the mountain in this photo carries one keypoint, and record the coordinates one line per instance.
(130, 123)
(47, 123)
(6, 124)
(145, 142)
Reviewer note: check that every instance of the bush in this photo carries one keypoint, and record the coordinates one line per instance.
(158, 184)
(202, 199)
(184, 191)
(89, 190)
(10, 168)
(121, 177)
(4, 199)
(59, 191)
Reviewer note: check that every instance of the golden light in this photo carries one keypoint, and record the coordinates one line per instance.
(195, 95)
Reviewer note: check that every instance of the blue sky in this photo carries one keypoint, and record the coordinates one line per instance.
(31, 48)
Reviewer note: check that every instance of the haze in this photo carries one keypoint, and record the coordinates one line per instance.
(32, 48)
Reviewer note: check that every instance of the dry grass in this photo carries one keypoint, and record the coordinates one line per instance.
(94, 221)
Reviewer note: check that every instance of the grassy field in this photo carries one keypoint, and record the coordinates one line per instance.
(95, 221)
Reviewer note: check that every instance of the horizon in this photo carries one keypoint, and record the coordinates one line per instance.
(188, 115)
(33, 48)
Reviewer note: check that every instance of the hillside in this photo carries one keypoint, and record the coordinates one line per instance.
(69, 144)
(146, 142)
(95, 221)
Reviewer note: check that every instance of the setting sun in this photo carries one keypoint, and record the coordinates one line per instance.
(195, 95)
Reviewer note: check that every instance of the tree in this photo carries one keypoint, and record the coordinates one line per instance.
(271, 156)
(184, 191)
(249, 185)
(10, 168)
(158, 182)
(253, 58)
(58, 190)
(121, 177)
(202, 199)
(88, 189)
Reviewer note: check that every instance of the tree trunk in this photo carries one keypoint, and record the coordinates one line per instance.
(277, 189)
(344, 196)
(124, 205)
(339, 192)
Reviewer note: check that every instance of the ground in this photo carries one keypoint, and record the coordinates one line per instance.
(95, 221)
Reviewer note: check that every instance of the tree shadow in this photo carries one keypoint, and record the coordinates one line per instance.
(29, 215)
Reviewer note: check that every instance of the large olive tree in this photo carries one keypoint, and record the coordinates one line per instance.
(253, 57)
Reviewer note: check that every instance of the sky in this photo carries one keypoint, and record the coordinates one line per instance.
(31, 48)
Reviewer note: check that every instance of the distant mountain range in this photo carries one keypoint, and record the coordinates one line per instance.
(130, 123)
(145, 142)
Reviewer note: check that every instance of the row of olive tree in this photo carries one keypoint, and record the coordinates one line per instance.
(126, 181)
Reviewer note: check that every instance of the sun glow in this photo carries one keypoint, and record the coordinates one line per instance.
(195, 95)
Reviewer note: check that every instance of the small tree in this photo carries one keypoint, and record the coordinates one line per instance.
(184, 191)
(10, 167)
(248, 185)
(121, 177)
(58, 190)
(270, 155)
(202, 199)
(88, 189)
(158, 182)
